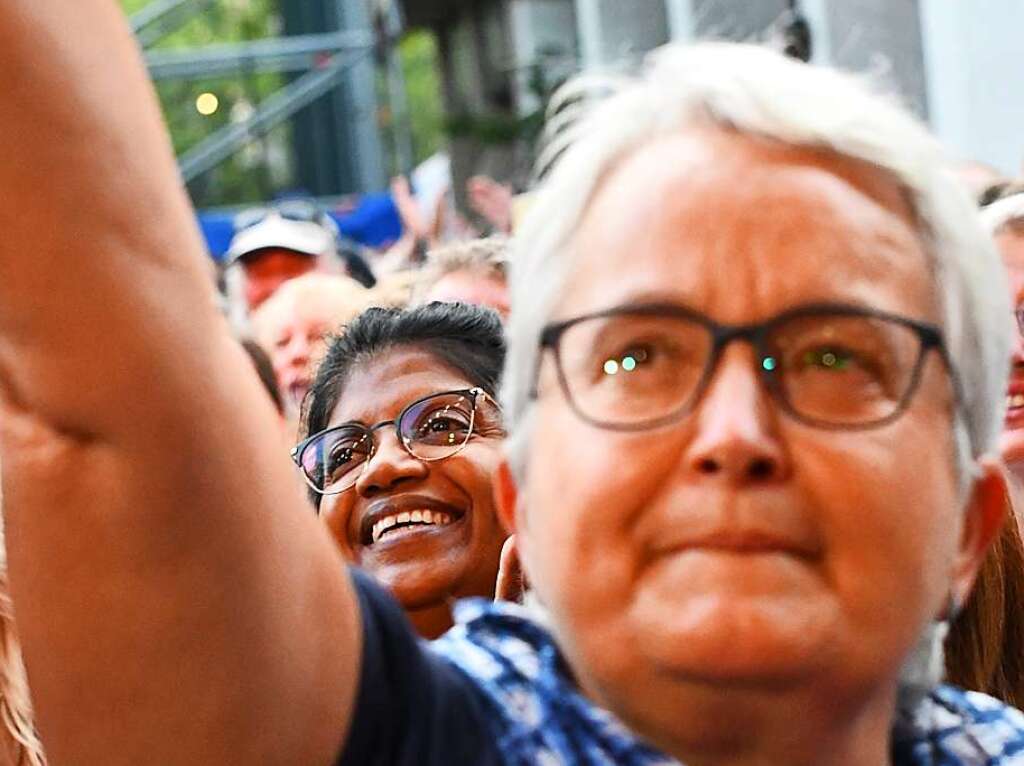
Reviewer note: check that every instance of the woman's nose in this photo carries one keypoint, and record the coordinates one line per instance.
(736, 437)
(390, 465)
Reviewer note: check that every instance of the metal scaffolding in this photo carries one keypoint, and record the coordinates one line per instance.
(161, 17)
(322, 61)
(273, 110)
(285, 54)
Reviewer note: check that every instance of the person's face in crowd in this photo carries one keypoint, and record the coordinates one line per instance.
(456, 552)
(268, 269)
(738, 550)
(296, 346)
(1011, 245)
(467, 287)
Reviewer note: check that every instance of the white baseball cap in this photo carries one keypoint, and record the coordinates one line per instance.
(275, 231)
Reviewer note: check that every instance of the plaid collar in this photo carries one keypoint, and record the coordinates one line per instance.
(538, 716)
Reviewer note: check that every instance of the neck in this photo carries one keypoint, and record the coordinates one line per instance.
(743, 728)
(1016, 490)
(431, 621)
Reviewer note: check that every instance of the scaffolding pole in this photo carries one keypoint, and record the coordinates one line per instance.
(161, 17)
(287, 54)
(276, 108)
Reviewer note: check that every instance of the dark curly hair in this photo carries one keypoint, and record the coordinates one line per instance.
(469, 339)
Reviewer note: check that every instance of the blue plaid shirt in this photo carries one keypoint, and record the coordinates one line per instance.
(538, 717)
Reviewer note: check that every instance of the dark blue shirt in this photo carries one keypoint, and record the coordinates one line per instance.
(496, 690)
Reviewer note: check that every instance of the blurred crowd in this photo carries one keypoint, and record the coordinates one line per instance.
(707, 449)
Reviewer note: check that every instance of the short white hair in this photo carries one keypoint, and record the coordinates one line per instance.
(331, 298)
(752, 90)
(486, 257)
(1005, 213)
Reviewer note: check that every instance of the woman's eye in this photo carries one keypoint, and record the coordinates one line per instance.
(444, 423)
(339, 457)
(628, 360)
(828, 358)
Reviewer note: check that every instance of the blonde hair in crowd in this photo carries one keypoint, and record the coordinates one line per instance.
(16, 717)
(487, 257)
(332, 297)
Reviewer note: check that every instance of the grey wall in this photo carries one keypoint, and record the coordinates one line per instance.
(975, 57)
(620, 31)
(734, 19)
(883, 37)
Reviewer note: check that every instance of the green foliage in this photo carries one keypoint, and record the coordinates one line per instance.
(266, 165)
(421, 64)
(247, 176)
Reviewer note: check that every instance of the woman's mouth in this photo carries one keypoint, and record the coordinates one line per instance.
(406, 516)
(1015, 407)
(400, 524)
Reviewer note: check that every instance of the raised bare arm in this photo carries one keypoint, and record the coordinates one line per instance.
(177, 601)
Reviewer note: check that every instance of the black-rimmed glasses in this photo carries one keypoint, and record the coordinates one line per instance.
(828, 365)
(430, 429)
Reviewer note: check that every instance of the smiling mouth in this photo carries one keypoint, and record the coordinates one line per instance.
(1014, 404)
(403, 523)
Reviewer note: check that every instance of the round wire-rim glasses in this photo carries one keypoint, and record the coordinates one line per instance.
(769, 363)
(357, 443)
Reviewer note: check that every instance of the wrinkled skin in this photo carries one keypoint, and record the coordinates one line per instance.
(638, 541)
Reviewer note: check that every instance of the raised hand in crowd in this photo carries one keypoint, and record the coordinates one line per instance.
(177, 601)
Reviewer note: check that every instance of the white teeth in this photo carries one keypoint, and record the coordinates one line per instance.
(432, 518)
(1014, 401)
(381, 527)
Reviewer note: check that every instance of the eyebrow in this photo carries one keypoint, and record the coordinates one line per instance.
(401, 406)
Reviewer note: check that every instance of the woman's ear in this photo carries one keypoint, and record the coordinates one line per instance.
(984, 516)
(511, 584)
(506, 496)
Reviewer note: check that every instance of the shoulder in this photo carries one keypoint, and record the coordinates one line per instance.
(412, 707)
(962, 728)
(541, 716)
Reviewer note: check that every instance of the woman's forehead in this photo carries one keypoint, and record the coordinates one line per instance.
(714, 217)
(380, 387)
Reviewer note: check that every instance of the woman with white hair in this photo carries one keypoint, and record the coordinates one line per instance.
(1004, 218)
(294, 323)
(473, 271)
(750, 471)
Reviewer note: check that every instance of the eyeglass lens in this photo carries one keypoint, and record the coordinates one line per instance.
(429, 429)
(628, 370)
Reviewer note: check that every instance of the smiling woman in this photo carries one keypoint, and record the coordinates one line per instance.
(404, 438)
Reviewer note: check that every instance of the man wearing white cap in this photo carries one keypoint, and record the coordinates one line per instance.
(273, 245)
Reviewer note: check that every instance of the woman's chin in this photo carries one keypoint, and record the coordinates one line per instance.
(418, 584)
(738, 641)
(1011, 447)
